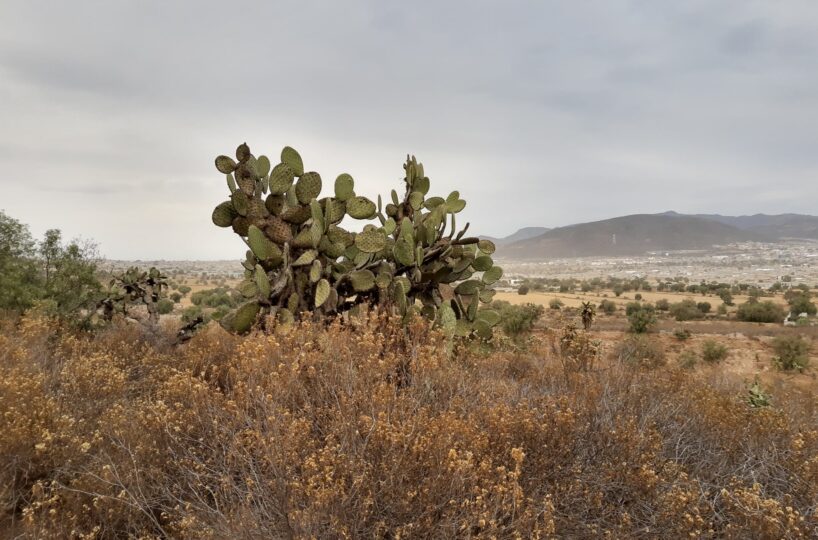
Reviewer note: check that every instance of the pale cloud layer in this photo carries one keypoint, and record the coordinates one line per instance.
(539, 112)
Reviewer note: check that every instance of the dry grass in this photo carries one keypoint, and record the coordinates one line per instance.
(306, 435)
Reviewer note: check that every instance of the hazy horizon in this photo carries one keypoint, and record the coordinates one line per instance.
(539, 113)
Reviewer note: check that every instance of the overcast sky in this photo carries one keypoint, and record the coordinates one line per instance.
(540, 113)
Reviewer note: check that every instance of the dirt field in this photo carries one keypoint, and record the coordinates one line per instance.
(574, 299)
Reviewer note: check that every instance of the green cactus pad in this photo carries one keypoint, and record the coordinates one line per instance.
(248, 288)
(370, 241)
(344, 187)
(489, 316)
(416, 200)
(262, 247)
(243, 152)
(469, 287)
(321, 292)
(482, 263)
(486, 246)
(262, 282)
(281, 179)
(293, 159)
(308, 187)
(487, 295)
(225, 164)
(296, 214)
(315, 271)
(262, 165)
(231, 183)
(240, 202)
(256, 210)
(446, 318)
(389, 226)
(334, 210)
(285, 317)
(361, 208)
(383, 280)
(244, 317)
(224, 214)
(240, 226)
(433, 202)
(362, 280)
(404, 253)
(274, 204)
(306, 258)
(492, 275)
(482, 329)
(455, 206)
(421, 184)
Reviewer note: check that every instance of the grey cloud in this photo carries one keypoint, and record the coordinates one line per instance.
(540, 112)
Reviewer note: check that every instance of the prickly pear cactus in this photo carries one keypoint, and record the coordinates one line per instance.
(410, 258)
(134, 287)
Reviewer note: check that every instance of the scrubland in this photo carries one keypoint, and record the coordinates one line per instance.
(362, 430)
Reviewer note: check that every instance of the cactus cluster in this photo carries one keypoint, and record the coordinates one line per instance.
(134, 286)
(413, 260)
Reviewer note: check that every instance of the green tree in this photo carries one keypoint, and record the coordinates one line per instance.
(642, 319)
(20, 283)
(755, 311)
(70, 274)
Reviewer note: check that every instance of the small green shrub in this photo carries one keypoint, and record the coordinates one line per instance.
(713, 351)
(757, 396)
(682, 334)
(642, 320)
(523, 289)
(686, 310)
(517, 320)
(662, 305)
(704, 307)
(791, 353)
(688, 359)
(165, 306)
(555, 303)
(608, 307)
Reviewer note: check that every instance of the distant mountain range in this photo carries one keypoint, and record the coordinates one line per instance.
(640, 233)
(523, 234)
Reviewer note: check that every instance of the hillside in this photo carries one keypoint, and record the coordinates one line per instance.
(774, 226)
(629, 235)
(522, 234)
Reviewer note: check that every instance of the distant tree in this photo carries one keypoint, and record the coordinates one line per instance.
(801, 303)
(704, 307)
(686, 310)
(726, 296)
(755, 311)
(523, 289)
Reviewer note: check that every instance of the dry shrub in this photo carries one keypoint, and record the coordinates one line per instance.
(641, 351)
(306, 434)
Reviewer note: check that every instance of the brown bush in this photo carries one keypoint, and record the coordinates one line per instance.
(304, 434)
